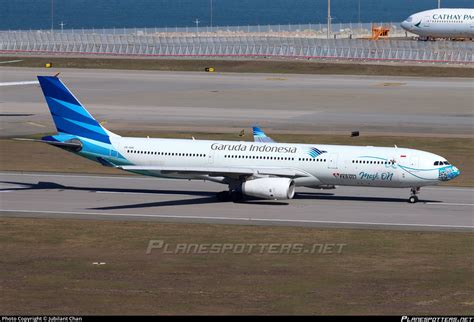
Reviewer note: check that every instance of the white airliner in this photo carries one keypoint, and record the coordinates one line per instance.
(441, 23)
(266, 169)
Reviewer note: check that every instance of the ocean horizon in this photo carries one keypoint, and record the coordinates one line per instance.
(36, 14)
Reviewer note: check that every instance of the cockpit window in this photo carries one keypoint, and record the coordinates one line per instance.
(441, 163)
(436, 163)
(446, 162)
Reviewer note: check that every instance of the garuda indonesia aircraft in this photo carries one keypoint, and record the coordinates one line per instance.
(262, 169)
(441, 23)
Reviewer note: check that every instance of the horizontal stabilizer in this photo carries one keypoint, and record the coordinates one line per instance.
(68, 144)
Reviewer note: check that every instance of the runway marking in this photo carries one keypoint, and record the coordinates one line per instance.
(35, 124)
(449, 189)
(125, 193)
(389, 84)
(449, 204)
(11, 61)
(237, 219)
(275, 78)
(19, 83)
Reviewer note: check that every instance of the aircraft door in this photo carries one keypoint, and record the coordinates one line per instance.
(210, 158)
(425, 23)
(414, 160)
(332, 160)
(113, 151)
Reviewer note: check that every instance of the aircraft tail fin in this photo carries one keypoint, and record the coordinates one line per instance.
(260, 136)
(68, 114)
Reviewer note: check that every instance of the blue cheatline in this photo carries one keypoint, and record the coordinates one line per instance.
(68, 114)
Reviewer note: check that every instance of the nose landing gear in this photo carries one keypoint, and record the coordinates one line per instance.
(414, 198)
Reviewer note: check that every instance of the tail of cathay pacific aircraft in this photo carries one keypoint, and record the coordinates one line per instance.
(69, 115)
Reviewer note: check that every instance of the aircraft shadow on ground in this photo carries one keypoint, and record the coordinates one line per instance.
(52, 185)
(322, 196)
(206, 196)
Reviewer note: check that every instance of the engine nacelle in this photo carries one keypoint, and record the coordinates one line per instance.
(269, 188)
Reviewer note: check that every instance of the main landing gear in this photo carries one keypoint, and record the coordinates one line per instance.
(234, 196)
(413, 198)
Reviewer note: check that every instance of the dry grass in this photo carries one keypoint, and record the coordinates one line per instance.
(47, 269)
(27, 156)
(244, 66)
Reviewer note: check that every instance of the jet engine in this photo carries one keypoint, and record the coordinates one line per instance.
(269, 188)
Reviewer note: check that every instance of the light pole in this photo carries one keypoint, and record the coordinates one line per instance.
(439, 4)
(211, 14)
(329, 18)
(62, 24)
(197, 25)
(52, 15)
(359, 12)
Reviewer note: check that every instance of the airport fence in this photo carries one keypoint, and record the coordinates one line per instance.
(234, 45)
(338, 30)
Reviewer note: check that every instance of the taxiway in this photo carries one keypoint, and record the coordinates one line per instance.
(192, 101)
(141, 198)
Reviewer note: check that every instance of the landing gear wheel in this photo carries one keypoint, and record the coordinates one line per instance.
(223, 196)
(236, 196)
(413, 199)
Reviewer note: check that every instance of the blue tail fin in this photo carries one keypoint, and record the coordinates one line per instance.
(260, 136)
(69, 115)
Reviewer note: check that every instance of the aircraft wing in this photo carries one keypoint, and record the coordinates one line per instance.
(260, 136)
(221, 171)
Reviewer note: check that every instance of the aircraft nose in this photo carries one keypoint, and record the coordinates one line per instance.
(405, 25)
(456, 172)
(448, 173)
